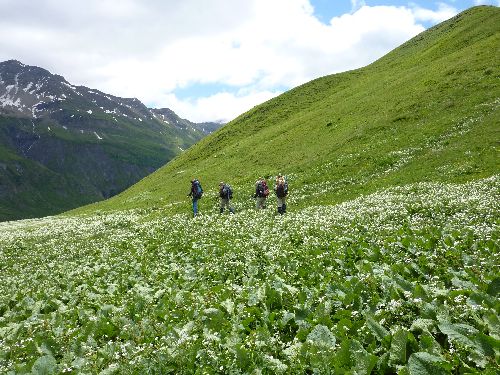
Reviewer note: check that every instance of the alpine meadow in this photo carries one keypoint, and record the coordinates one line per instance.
(386, 261)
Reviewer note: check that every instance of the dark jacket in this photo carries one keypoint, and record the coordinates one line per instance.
(193, 191)
(260, 189)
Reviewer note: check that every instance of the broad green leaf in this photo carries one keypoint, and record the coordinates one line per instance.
(78, 363)
(403, 283)
(482, 299)
(462, 333)
(343, 355)
(488, 345)
(378, 330)
(228, 305)
(111, 369)
(493, 324)
(363, 361)
(482, 346)
(213, 318)
(420, 292)
(45, 365)
(494, 287)
(423, 363)
(398, 346)
(423, 325)
(321, 337)
(428, 344)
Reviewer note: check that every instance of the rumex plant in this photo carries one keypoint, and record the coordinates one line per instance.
(401, 281)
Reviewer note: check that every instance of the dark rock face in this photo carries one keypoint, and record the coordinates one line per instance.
(62, 146)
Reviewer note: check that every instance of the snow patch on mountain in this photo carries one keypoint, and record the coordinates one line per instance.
(8, 101)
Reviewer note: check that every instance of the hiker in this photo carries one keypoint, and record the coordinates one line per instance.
(195, 193)
(281, 191)
(225, 194)
(261, 193)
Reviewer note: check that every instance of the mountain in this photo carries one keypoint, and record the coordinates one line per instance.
(170, 117)
(62, 146)
(427, 111)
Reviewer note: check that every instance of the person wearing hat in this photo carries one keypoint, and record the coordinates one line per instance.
(281, 191)
(225, 194)
(261, 193)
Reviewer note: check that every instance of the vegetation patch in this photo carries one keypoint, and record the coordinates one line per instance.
(404, 280)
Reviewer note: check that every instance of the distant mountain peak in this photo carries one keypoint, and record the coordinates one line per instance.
(98, 142)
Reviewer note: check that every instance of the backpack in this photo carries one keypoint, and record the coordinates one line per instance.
(263, 189)
(282, 188)
(227, 192)
(197, 189)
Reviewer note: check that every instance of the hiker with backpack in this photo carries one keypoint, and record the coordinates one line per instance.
(195, 193)
(281, 191)
(225, 194)
(261, 193)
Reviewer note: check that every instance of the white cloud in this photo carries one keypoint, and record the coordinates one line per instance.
(443, 12)
(148, 49)
(356, 4)
(219, 107)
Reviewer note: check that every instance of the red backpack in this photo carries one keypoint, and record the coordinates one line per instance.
(262, 189)
(265, 188)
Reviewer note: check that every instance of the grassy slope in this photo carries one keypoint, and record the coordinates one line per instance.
(426, 111)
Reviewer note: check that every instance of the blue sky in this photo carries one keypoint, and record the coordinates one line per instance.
(209, 60)
(325, 10)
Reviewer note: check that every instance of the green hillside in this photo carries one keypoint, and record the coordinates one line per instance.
(427, 111)
(386, 262)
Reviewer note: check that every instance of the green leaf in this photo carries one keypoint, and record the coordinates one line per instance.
(494, 287)
(378, 330)
(482, 299)
(111, 369)
(423, 363)
(213, 318)
(397, 352)
(228, 304)
(489, 345)
(428, 344)
(420, 292)
(403, 284)
(423, 325)
(493, 324)
(321, 337)
(45, 365)
(461, 333)
(343, 355)
(363, 361)
(482, 346)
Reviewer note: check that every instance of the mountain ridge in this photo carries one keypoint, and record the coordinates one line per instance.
(62, 146)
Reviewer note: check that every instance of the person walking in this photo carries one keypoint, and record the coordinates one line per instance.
(281, 191)
(195, 193)
(261, 193)
(225, 194)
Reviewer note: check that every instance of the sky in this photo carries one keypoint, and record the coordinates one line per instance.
(209, 60)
